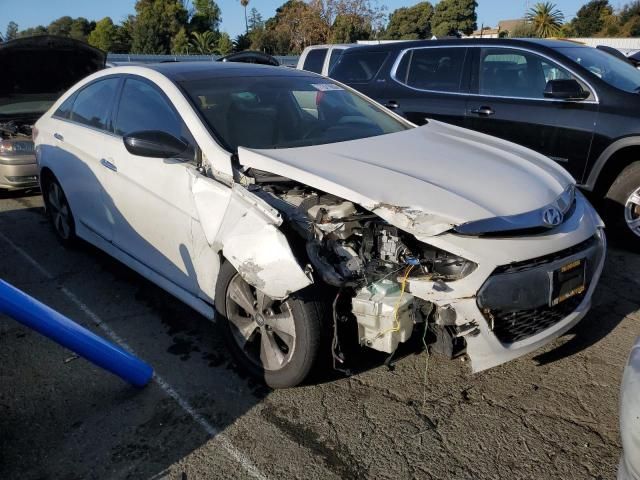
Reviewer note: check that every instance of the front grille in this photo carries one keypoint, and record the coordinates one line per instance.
(515, 326)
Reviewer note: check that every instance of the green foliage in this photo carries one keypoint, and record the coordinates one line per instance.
(242, 42)
(203, 43)
(545, 19)
(454, 16)
(12, 31)
(103, 35)
(349, 28)
(590, 18)
(225, 45)
(255, 19)
(207, 16)
(410, 23)
(30, 32)
(156, 23)
(180, 43)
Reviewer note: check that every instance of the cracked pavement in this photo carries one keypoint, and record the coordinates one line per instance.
(551, 414)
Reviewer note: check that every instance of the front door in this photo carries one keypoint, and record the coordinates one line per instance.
(508, 102)
(152, 197)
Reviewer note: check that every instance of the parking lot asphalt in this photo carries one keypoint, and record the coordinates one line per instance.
(551, 414)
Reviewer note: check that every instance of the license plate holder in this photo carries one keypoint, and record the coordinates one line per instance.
(568, 281)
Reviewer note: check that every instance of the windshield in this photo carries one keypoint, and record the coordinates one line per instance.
(285, 112)
(612, 70)
(17, 105)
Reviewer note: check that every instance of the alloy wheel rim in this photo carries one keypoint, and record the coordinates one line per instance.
(632, 212)
(263, 329)
(59, 211)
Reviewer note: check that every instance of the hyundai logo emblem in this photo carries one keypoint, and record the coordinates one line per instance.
(552, 217)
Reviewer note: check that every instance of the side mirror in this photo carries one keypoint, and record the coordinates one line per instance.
(156, 144)
(565, 90)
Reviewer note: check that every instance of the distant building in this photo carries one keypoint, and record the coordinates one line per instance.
(505, 27)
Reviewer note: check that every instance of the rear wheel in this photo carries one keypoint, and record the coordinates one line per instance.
(277, 341)
(59, 212)
(623, 209)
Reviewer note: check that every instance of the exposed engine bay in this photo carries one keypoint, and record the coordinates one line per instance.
(16, 130)
(369, 261)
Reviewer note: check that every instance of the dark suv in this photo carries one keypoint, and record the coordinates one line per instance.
(576, 104)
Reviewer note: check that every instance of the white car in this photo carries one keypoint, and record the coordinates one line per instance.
(308, 215)
(630, 417)
(321, 58)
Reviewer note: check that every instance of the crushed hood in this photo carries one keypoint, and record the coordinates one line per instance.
(425, 180)
(37, 70)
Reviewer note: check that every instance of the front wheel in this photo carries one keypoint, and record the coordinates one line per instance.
(623, 209)
(276, 341)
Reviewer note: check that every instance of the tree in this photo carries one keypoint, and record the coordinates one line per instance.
(30, 32)
(207, 16)
(523, 30)
(255, 20)
(545, 19)
(410, 23)
(203, 43)
(12, 31)
(243, 41)
(244, 4)
(452, 17)
(225, 45)
(155, 24)
(349, 29)
(61, 26)
(81, 28)
(590, 18)
(103, 35)
(180, 43)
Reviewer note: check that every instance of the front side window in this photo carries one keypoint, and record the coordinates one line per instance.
(614, 71)
(505, 72)
(436, 69)
(358, 67)
(92, 105)
(285, 112)
(315, 60)
(142, 107)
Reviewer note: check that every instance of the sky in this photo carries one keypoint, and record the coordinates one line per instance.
(30, 13)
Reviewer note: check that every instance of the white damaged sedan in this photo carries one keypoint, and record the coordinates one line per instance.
(311, 218)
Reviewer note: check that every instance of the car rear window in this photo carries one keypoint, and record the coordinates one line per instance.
(436, 69)
(315, 60)
(358, 67)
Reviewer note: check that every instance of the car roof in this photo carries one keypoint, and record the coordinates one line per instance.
(183, 71)
(522, 42)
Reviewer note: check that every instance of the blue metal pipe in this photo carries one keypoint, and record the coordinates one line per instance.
(34, 314)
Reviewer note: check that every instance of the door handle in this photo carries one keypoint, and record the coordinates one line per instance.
(484, 111)
(391, 105)
(107, 164)
(57, 136)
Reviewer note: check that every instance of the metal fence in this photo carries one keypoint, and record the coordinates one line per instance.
(120, 58)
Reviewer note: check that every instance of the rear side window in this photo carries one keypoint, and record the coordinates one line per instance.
(315, 60)
(436, 69)
(64, 111)
(358, 67)
(92, 105)
(334, 57)
(144, 107)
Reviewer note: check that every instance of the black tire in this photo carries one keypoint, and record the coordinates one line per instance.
(309, 311)
(619, 210)
(59, 212)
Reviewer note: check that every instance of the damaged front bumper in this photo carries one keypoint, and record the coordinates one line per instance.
(507, 307)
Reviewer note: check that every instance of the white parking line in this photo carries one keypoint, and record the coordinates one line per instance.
(211, 430)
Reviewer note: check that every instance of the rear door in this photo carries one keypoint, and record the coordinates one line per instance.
(507, 101)
(429, 82)
(77, 153)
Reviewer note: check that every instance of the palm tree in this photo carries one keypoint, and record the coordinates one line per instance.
(545, 18)
(245, 3)
(203, 43)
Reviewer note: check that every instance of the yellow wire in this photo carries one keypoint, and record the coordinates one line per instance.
(396, 323)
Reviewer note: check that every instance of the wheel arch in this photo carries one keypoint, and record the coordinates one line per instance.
(611, 163)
